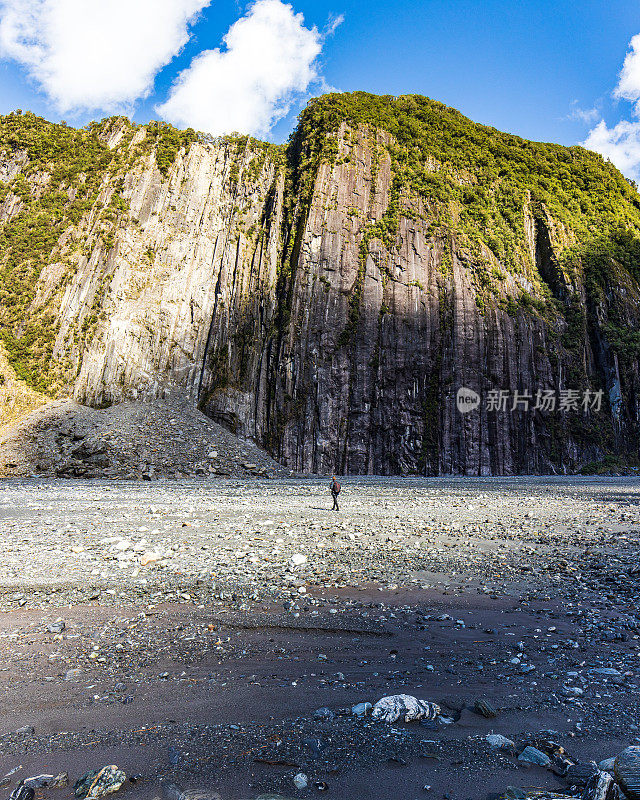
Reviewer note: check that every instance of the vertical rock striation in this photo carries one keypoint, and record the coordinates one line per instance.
(328, 301)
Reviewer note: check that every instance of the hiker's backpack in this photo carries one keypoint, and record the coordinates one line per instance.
(336, 487)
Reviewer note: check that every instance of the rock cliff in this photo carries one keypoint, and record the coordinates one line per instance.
(329, 299)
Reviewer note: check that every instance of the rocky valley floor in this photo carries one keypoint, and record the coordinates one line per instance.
(217, 633)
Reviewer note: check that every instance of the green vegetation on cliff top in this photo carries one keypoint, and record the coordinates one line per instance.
(475, 183)
(490, 176)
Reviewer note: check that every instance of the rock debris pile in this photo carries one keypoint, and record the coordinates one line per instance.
(163, 438)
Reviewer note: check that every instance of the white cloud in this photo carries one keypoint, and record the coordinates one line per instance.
(586, 115)
(332, 25)
(629, 81)
(621, 144)
(95, 54)
(268, 60)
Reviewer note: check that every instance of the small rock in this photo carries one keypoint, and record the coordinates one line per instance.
(600, 786)
(499, 741)
(485, 709)
(22, 792)
(626, 769)
(56, 627)
(315, 745)
(38, 781)
(531, 755)
(99, 783)
(149, 558)
(579, 774)
(361, 709)
(60, 781)
(301, 781)
(404, 706)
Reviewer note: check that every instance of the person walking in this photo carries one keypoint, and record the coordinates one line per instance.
(335, 491)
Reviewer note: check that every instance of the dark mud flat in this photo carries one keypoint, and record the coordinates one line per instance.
(206, 665)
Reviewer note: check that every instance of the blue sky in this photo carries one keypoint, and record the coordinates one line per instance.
(544, 70)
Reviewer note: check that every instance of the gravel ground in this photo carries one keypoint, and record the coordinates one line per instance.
(205, 621)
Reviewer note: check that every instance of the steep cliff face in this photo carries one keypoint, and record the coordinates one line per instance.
(329, 300)
(194, 252)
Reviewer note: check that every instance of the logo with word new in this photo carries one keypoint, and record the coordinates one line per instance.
(467, 400)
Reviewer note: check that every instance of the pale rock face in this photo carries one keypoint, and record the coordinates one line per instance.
(164, 280)
(9, 169)
(10, 208)
(11, 166)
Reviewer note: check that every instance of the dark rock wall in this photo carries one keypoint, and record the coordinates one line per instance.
(373, 390)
